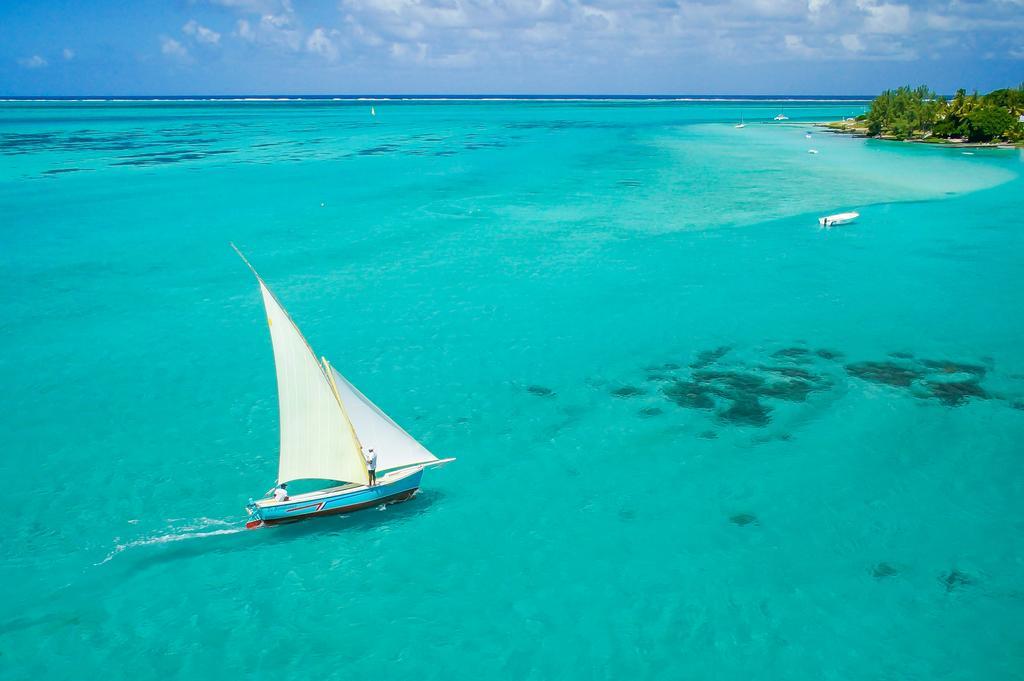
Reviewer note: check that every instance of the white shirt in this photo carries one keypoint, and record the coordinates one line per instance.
(371, 460)
(280, 494)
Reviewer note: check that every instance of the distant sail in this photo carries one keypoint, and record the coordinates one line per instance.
(395, 448)
(317, 440)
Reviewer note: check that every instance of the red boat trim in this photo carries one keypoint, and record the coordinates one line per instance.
(317, 506)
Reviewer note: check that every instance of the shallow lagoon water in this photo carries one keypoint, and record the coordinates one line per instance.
(525, 286)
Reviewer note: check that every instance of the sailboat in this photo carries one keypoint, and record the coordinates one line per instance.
(741, 124)
(326, 424)
(782, 115)
(373, 112)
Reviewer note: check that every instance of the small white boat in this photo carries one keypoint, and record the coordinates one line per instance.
(373, 111)
(782, 117)
(807, 135)
(838, 219)
(812, 151)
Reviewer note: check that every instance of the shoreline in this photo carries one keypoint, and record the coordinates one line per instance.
(853, 129)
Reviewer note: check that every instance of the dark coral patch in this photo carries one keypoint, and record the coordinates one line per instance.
(791, 353)
(707, 357)
(708, 435)
(628, 391)
(540, 391)
(947, 367)
(378, 150)
(902, 355)
(61, 171)
(649, 412)
(954, 394)
(792, 372)
(747, 411)
(883, 570)
(792, 391)
(743, 519)
(729, 383)
(954, 579)
(825, 353)
(670, 366)
(888, 373)
(689, 395)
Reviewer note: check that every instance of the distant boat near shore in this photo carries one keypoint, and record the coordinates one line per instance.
(829, 221)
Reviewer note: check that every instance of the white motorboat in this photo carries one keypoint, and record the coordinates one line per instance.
(838, 219)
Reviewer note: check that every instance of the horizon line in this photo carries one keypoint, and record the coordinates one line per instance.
(272, 96)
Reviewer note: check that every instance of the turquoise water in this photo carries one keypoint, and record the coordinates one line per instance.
(697, 437)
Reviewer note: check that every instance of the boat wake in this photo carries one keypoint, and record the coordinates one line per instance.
(195, 530)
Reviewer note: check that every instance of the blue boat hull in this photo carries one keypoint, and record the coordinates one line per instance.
(344, 501)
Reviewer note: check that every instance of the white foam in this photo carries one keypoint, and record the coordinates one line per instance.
(187, 532)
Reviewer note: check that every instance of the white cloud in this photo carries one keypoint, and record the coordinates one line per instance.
(173, 49)
(795, 44)
(201, 33)
(68, 54)
(33, 62)
(319, 42)
(253, 6)
(274, 30)
(407, 52)
(244, 30)
(852, 42)
(551, 36)
(885, 18)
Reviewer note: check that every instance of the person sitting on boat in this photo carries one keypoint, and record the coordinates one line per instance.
(281, 492)
(371, 465)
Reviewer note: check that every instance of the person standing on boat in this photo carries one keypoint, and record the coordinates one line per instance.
(371, 465)
(281, 492)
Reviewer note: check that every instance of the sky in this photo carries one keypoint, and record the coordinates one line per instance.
(799, 47)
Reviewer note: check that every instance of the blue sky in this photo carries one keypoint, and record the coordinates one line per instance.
(145, 47)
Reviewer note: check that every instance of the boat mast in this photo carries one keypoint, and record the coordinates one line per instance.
(341, 405)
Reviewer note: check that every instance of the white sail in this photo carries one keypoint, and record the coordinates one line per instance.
(317, 439)
(395, 448)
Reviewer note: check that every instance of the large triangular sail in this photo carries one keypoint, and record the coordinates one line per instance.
(395, 448)
(317, 438)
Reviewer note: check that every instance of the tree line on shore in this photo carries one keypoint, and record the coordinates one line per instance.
(906, 113)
